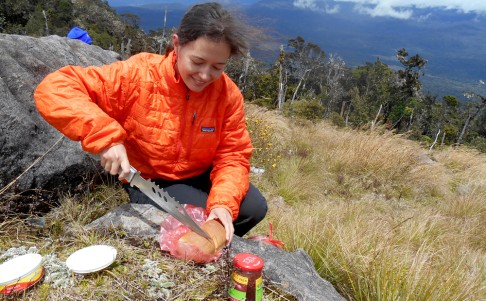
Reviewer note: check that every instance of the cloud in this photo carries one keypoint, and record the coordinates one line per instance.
(400, 9)
(424, 17)
(332, 9)
(384, 10)
(306, 4)
(318, 6)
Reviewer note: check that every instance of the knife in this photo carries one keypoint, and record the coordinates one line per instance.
(164, 200)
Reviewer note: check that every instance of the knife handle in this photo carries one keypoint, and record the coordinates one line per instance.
(132, 173)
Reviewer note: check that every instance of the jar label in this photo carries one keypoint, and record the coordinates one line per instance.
(239, 295)
(258, 282)
(236, 294)
(239, 289)
(240, 279)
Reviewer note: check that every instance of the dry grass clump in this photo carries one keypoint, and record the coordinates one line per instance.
(374, 249)
(382, 218)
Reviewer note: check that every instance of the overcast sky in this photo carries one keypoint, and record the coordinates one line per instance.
(401, 9)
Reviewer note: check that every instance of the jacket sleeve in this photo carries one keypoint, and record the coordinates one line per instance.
(230, 173)
(83, 104)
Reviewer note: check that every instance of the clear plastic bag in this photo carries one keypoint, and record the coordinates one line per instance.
(171, 231)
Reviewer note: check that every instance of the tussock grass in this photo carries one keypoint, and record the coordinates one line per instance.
(382, 217)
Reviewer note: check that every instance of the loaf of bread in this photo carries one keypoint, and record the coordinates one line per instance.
(195, 247)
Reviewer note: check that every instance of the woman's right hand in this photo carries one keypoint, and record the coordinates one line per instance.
(115, 161)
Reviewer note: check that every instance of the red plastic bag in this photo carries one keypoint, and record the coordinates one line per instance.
(268, 239)
(171, 230)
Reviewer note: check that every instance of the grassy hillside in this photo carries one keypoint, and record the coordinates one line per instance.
(382, 218)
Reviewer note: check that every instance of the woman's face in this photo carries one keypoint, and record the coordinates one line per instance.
(200, 62)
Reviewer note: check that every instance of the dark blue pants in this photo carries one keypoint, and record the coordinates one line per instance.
(195, 191)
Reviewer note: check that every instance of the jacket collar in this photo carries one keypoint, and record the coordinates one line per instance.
(168, 67)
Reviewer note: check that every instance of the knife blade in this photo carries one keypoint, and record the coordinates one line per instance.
(164, 200)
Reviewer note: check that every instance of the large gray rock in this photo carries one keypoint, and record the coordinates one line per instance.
(292, 272)
(137, 220)
(24, 136)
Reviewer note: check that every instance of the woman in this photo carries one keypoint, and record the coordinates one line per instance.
(176, 118)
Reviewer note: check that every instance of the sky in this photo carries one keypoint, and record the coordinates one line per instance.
(415, 10)
(400, 9)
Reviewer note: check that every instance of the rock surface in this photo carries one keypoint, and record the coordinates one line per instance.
(138, 220)
(24, 136)
(292, 272)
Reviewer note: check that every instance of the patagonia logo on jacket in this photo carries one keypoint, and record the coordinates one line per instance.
(206, 129)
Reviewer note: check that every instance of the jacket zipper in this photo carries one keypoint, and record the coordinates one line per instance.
(191, 132)
(183, 124)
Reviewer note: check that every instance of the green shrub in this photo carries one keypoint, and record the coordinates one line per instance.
(337, 120)
(311, 110)
(478, 143)
(265, 102)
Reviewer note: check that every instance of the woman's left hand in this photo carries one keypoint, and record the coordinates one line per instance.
(226, 219)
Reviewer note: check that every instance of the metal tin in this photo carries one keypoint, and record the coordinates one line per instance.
(20, 273)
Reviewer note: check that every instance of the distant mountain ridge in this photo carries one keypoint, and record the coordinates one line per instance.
(454, 44)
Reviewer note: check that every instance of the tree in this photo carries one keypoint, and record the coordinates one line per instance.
(410, 76)
(335, 71)
(241, 70)
(449, 120)
(360, 112)
(161, 36)
(305, 65)
(406, 103)
(262, 89)
(36, 26)
(375, 83)
(15, 15)
(472, 111)
(282, 79)
(61, 16)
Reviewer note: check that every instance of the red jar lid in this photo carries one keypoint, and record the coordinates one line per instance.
(248, 262)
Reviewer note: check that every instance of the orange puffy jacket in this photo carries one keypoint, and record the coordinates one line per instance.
(168, 131)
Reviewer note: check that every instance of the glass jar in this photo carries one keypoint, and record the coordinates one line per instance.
(246, 279)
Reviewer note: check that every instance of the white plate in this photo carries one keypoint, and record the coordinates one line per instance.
(91, 259)
(19, 267)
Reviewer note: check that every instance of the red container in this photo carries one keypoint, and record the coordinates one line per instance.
(246, 279)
